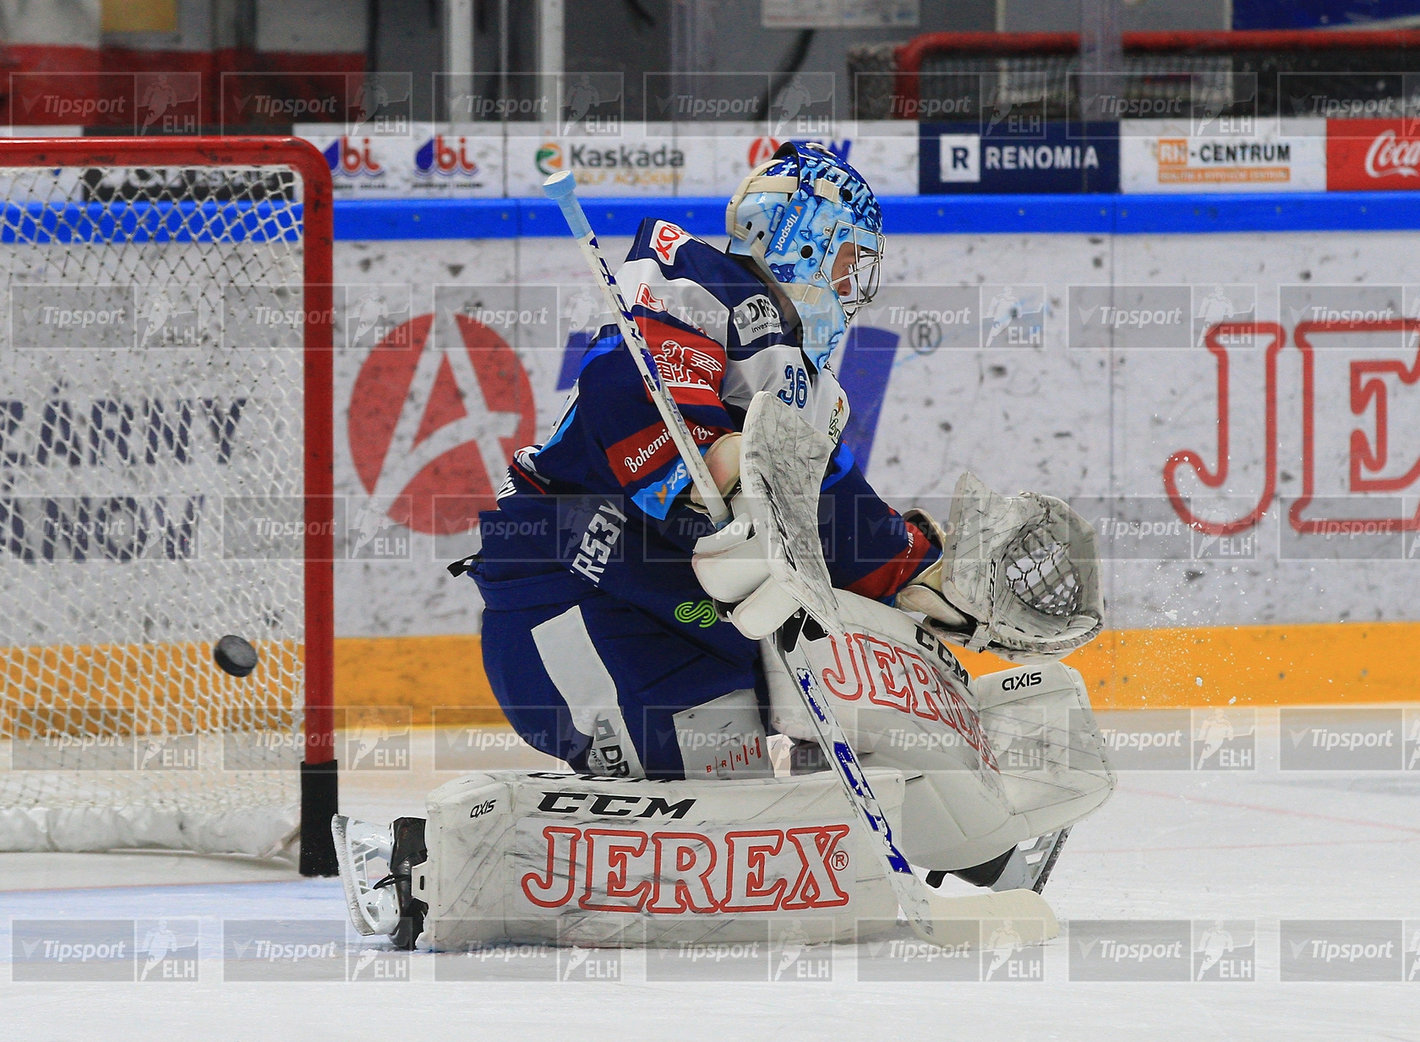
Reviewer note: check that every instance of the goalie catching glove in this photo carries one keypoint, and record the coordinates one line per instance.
(732, 564)
(1018, 575)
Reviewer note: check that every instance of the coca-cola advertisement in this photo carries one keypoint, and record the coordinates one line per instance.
(1372, 154)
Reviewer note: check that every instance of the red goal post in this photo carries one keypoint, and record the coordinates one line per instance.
(165, 478)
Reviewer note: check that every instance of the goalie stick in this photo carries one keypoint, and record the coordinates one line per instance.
(561, 188)
(799, 566)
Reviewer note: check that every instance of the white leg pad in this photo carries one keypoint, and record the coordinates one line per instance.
(532, 857)
(905, 702)
(1047, 744)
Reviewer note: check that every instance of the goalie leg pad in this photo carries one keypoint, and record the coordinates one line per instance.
(1038, 720)
(572, 860)
(905, 702)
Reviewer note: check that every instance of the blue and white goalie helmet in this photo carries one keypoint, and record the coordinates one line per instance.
(795, 215)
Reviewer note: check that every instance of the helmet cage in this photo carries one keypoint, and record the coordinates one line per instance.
(857, 284)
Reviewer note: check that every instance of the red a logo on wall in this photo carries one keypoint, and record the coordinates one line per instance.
(435, 418)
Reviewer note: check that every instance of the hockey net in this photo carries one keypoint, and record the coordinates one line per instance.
(164, 480)
(1292, 73)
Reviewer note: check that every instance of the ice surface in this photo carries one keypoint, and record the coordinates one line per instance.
(1238, 850)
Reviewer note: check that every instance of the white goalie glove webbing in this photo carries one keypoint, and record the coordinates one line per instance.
(1019, 575)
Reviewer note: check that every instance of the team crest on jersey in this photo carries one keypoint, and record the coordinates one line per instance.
(667, 239)
(646, 299)
(686, 368)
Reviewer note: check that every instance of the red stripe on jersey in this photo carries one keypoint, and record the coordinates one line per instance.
(892, 575)
(649, 449)
(522, 472)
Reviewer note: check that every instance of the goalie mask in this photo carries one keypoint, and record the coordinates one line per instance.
(795, 215)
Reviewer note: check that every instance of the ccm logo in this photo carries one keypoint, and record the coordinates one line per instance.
(1020, 680)
(480, 809)
(613, 805)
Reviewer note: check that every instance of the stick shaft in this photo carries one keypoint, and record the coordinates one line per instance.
(561, 188)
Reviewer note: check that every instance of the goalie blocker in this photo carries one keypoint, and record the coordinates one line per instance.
(964, 770)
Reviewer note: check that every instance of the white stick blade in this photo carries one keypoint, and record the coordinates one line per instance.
(1008, 919)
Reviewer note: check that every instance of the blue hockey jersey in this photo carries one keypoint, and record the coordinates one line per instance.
(606, 496)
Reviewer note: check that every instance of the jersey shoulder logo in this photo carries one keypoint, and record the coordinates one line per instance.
(667, 239)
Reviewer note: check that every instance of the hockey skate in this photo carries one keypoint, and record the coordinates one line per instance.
(1025, 867)
(381, 902)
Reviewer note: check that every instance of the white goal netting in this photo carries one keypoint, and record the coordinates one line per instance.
(152, 496)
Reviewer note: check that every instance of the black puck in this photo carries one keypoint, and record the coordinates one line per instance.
(235, 655)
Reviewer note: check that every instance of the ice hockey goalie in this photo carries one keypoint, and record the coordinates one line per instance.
(627, 636)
